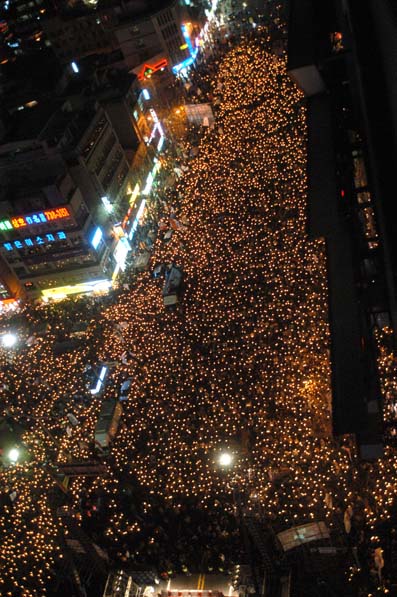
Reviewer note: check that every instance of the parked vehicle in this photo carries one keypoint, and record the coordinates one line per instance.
(107, 423)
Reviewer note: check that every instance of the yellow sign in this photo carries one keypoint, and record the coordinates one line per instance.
(62, 292)
(134, 194)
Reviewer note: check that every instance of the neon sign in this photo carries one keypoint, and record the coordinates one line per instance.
(192, 51)
(137, 218)
(41, 217)
(96, 238)
(35, 241)
(149, 69)
(157, 126)
(187, 39)
(185, 63)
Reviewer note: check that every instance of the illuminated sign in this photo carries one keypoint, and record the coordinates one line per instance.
(157, 126)
(100, 381)
(121, 251)
(96, 238)
(134, 194)
(151, 176)
(193, 52)
(133, 197)
(149, 69)
(187, 39)
(160, 143)
(35, 241)
(63, 291)
(137, 218)
(186, 63)
(149, 184)
(6, 225)
(41, 217)
(108, 206)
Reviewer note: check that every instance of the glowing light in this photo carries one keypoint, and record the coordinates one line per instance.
(185, 63)
(151, 68)
(225, 459)
(100, 381)
(62, 292)
(13, 455)
(246, 360)
(160, 143)
(121, 251)
(97, 237)
(75, 68)
(107, 205)
(136, 220)
(41, 217)
(9, 340)
(186, 35)
(149, 184)
(134, 195)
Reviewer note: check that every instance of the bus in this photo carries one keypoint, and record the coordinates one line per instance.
(107, 423)
(172, 286)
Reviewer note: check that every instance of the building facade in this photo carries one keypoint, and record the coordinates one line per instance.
(146, 33)
(75, 35)
(49, 237)
(72, 196)
(335, 56)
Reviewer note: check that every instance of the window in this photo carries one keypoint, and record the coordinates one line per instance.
(367, 219)
(364, 197)
(20, 270)
(381, 320)
(360, 174)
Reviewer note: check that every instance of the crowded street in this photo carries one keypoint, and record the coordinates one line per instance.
(237, 364)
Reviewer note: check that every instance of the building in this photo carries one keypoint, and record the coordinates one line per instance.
(49, 238)
(150, 35)
(77, 32)
(339, 59)
(71, 191)
(21, 29)
(146, 38)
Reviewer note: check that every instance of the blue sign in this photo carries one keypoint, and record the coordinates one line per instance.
(33, 241)
(96, 238)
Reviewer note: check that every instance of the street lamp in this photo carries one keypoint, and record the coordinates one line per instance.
(13, 455)
(225, 459)
(8, 340)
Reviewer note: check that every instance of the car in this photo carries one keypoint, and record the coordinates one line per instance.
(125, 389)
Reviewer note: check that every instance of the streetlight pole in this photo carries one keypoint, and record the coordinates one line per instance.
(226, 460)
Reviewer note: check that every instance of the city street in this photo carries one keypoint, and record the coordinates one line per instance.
(194, 406)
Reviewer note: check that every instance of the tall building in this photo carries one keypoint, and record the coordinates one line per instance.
(21, 30)
(48, 236)
(71, 190)
(343, 56)
(77, 32)
(150, 35)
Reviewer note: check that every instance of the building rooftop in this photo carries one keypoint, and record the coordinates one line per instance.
(136, 8)
(28, 122)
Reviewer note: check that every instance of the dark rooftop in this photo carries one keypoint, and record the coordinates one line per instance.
(28, 123)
